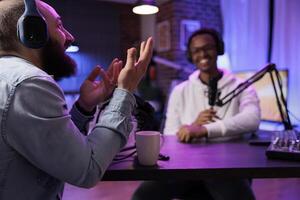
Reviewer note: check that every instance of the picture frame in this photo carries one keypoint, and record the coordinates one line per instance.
(163, 36)
(187, 27)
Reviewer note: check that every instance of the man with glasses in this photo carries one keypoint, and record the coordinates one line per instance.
(240, 116)
(190, 116)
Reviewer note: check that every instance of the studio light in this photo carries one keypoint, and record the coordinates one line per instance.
(145, 7)
(74, 47)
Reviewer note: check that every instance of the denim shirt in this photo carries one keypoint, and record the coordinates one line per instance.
(41, 145)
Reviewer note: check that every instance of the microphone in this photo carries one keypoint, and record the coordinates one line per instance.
(212, 90)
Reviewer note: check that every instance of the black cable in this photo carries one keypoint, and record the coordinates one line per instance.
(128, 148)
(120, 157)
(123, 157)
(144, 114)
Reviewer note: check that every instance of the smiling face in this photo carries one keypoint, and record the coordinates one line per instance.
(203, 50)
(56, 30)
(55, 61)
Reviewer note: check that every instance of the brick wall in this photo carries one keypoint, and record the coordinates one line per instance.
(208, 12)
(103, 31)
(130, 29)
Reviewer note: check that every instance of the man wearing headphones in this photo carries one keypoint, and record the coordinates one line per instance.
(191, 115)
(42, 145)
(240, 116)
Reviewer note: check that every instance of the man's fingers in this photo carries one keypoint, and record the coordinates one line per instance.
(213, 112)
(147, 51)
(116, 71)
(149, 45)
(131, 58)
(187, 137)
(121, 66)
(204, 115)
(209, 111)
(183, 135)
(204, 120)
(142, 47)
(179, 135)
(105, 78)
(111, 67)
(93, 75)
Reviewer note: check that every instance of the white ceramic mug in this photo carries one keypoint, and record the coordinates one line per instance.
(148, 147)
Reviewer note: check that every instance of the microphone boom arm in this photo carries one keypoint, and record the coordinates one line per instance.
(281, 102)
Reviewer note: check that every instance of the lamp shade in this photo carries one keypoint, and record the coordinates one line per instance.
(145, 7)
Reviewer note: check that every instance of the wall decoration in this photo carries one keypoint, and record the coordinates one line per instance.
(163, 36)
(187, 27)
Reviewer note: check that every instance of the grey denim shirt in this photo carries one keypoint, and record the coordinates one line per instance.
(41, 145)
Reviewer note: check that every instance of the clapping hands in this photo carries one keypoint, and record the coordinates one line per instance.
(134, 70)
(93, 92)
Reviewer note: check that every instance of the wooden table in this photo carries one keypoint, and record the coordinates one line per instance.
(234, 159)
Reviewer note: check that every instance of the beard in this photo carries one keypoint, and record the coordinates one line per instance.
(56, 62)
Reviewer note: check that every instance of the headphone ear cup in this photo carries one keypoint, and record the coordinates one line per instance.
(31, 27)
(32, 31)
(221, 47)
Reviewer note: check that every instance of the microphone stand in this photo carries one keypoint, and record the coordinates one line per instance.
(281, 102)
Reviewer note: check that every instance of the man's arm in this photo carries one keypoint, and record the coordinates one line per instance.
(93, 92)
(39, 127)
(246, 120)
(81, 118)
(46, 136)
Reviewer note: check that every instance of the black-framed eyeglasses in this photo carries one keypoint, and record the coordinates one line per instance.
(205, 48)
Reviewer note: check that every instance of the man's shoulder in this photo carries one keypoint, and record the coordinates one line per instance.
(181, 85)
(15, 70)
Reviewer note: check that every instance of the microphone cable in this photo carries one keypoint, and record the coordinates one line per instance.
(120, 157)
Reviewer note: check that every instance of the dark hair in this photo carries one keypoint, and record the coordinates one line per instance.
(216, 36)
(10, 12)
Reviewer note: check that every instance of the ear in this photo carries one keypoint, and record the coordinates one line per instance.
(188, 56)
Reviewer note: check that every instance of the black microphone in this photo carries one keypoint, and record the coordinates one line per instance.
(212, 90)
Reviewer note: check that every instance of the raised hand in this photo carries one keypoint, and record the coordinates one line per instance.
(205, 117)
(93, 92)
(134, 70)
